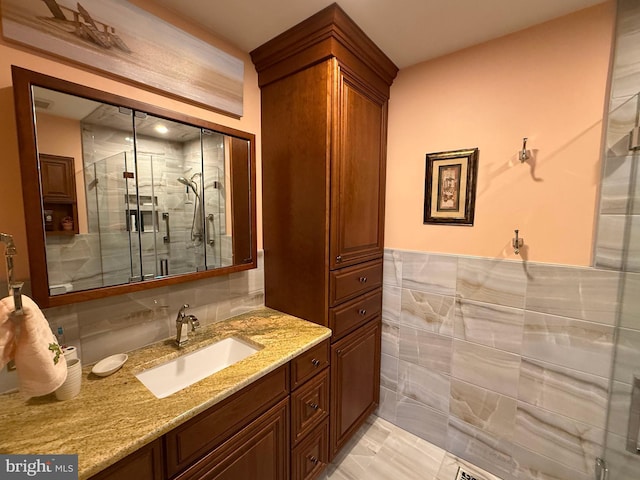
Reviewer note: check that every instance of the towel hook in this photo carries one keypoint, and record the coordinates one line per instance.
(524, 154)
(517, 243)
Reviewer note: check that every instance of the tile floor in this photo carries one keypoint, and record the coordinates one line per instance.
(382, 451)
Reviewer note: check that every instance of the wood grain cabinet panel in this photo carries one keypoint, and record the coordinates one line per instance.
(324, 95)
(58, 180)
(355, 382)
(309, 363)
(309, 406)
(348, 283)
(144, 464)
(187, 443)
(346, 317)
(259, 451)
(311, 456)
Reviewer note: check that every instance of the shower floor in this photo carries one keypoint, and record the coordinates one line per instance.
(382, 451)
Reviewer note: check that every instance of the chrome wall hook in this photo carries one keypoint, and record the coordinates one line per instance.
(517, 243)
(524, 154)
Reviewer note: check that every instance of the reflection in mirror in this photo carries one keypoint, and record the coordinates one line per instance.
(130, 195)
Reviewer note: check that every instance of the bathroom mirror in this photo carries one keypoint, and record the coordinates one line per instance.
(122, 196)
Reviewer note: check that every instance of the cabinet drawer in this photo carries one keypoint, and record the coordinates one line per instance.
(190, 441)
(309, 405)
(350, 282)
(349, 316)
(311, 456)
(309, 363)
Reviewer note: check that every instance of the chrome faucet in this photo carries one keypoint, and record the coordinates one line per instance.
(182, 325)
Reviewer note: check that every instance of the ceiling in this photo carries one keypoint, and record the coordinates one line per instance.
(408, 31)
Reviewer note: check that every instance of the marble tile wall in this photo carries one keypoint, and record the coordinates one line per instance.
(504, 365)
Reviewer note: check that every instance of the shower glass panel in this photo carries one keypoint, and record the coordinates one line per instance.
(214, 159)
(111, 218)
(622, 447)
(169, 189)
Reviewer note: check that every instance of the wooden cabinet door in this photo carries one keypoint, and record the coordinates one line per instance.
(355, 381)
(144, 464)
(58, 181)
(357, 173)
(259, 451)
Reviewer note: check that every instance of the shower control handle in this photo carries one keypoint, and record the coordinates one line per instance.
(633, 428)
(210, 230)
(167, 237)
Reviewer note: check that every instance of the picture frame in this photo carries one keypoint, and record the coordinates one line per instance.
(120, 40)
(450, 187)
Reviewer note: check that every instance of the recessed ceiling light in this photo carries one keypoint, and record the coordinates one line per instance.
(161, 129)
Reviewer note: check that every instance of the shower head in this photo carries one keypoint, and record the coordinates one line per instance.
(189, 184)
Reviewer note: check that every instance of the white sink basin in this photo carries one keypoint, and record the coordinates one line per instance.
(174, 375)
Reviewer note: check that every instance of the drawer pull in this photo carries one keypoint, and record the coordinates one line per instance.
(315, 362)
(363, 279)
(313, 459)
(315, 406)
(362, 311)
(338, 258)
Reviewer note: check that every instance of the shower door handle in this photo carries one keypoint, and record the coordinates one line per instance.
(167, 237)
(633, 432)
(210, 230)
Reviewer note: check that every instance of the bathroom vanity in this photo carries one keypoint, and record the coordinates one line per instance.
(263, 417)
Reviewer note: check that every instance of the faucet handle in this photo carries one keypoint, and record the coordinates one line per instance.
(193, 320)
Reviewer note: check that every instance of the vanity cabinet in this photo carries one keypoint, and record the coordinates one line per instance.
(276, 428)
(324, 92)
(144, 464)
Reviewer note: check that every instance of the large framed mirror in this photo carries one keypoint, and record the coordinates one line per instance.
(122, 196)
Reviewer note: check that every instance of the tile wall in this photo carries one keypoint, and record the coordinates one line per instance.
(504, 363)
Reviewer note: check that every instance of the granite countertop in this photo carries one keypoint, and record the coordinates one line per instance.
(114, 416)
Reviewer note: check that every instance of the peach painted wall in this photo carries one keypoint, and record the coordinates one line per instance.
(62, 136)
(547, 83)
(12, 218)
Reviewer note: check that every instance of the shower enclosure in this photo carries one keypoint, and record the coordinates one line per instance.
(158, 208)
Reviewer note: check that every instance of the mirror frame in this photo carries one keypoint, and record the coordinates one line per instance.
(23, 81)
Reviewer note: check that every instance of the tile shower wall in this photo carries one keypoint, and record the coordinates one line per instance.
(120, 324)
(503, 363)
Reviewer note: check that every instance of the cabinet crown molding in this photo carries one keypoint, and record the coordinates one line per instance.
(329, 33)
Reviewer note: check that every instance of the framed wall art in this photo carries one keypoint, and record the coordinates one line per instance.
(450, 187)
(122, 40)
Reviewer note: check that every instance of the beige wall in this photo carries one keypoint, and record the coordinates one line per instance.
(547, 83)
(11, 210)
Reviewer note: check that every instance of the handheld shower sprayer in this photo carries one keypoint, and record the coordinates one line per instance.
(196, 224)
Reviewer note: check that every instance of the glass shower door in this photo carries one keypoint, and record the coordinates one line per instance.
(622, 445)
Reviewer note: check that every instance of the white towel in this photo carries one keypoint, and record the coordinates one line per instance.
(28, 339)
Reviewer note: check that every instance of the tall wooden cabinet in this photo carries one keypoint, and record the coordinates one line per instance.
(324, 92)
